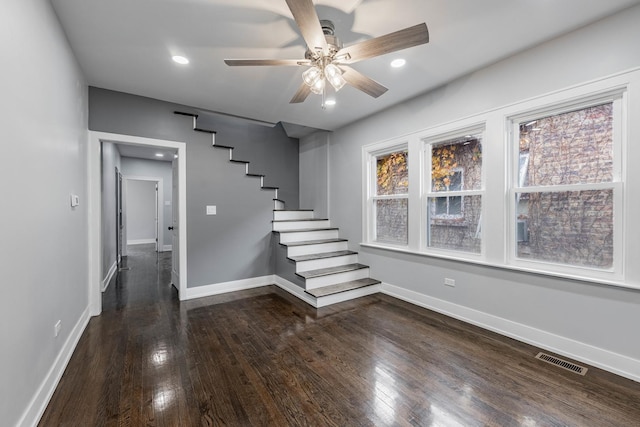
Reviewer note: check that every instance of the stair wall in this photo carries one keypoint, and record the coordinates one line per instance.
(235, 244)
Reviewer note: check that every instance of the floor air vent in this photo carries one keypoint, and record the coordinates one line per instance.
(562, 363)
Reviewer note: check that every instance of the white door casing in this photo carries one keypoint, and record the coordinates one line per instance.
(94, 201)
(175, 226)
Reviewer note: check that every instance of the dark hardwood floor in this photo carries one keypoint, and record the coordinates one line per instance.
(262, 357)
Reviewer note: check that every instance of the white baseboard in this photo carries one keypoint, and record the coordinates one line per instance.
(40, 400)
(295, 290)
(112, 270)
(224, 287)
(167, 248)
(140, 241)
(598, 357)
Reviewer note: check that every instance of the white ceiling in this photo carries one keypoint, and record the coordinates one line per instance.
(126, 45)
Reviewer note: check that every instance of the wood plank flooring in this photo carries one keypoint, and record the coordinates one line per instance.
(263, 358)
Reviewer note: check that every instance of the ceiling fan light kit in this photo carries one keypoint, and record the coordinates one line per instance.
(329, 60)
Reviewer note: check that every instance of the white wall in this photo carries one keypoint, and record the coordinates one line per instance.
(140, 211)
(43, 117)
(594, 323)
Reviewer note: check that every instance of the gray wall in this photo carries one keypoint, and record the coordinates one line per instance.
(110, 160)
(156, 169)
(314, 161)
(600, 316)
(43, 111)
(140, 210)
(236, 243)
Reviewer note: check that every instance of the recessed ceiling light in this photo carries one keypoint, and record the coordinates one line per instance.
(180, 59)
(330, 102)
(159, 155)
(397, 63)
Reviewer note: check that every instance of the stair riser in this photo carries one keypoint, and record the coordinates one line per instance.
(326, 262)
(289, 215)
(301, 236)
(300, 225)
(332, 279)
(347, 295)
(278, 205)
(317, 248)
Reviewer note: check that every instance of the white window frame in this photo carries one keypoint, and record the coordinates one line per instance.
(499, 175)
(618, 99)
(371, 155)
(428, 142)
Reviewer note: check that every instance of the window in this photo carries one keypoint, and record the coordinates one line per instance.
(454, 202)
(536, 186)
(450, 206)
(565, 186)
(390, 201)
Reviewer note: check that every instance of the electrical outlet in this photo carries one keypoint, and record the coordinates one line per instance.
(449, 282)
(57, 327)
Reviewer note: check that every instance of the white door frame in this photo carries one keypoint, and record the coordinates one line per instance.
(94, 197)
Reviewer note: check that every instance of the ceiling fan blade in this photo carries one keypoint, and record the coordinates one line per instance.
(362, 82)
(301, 94)
(307, 19)
(261, 62)
(409, 37)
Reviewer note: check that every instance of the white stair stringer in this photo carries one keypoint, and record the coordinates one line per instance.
(329, 270)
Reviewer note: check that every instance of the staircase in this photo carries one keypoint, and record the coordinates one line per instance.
(329, 270)
(324, 266)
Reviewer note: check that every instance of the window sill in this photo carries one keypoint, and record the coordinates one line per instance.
(477, 260)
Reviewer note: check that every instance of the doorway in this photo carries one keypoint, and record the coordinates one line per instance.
(144, 211)
(179, 234)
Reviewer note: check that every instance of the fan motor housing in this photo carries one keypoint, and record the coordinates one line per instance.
(332, 40)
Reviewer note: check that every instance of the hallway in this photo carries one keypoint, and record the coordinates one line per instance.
(262, 357)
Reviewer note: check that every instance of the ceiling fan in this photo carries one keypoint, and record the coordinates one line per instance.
(329, 61)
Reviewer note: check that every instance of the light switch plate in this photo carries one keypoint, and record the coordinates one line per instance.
(75, 200)
(211, 210)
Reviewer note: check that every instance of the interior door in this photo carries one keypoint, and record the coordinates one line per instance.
(119, 222)
(157, 221)
(175, 231)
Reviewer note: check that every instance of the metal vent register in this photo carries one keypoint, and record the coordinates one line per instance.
(562, 363)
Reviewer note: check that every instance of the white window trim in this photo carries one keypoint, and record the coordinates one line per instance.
(495, 156)
(370, 155)
(618, 98)
(429, 140)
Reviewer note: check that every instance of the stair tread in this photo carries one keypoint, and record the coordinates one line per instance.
(305, 229)
(331, 270)
(239, 161)
(182, 113)
(218, 145)
(342, 287)
(300, 219)
(255, 175)
(205, 131)
(296, 210)
(321, 255)
(314, 242)
(269, 188)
